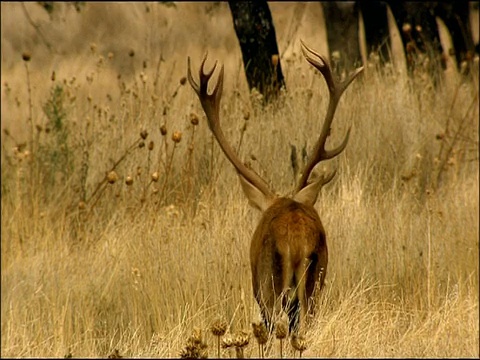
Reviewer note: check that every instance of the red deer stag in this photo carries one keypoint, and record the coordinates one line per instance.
(288, 252)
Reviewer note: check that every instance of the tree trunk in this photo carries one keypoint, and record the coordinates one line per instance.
(341, 21)
(377, 33)
(256, 34)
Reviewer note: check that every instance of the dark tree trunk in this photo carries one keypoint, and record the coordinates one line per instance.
(341, 20)
(377, 33)
(256, 34)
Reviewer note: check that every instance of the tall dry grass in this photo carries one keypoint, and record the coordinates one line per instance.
(91, 265)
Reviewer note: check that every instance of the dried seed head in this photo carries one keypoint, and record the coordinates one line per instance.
(192, 353)
(144, 134)
(227, 341)
(151, 144)
(112, 177)
(163, 130)
(52, 77)
(194, 119)
(26, 56)
(129, 180)
(281, 329)
(336, 56)
(183, 80)
(241, 339)
(195, 347)
(275, 60)
(246, 114)
(407, 28)
(155, 176)
(82, 205)
(299, 343)
(131, 53)
(418, 28)
(177, 136)
(141, 144)
(219, 327)
(260, 332)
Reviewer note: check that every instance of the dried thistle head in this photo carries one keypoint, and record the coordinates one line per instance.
(219, 327)
(241, 339)
(193, 119)
(193, 352)
(281, 329)
(26, 56)
(177, 136)
(227, 341)
(183, 80)
(195, 348)
(163, 130)
(299, 343)
(151, 145)
(260, 332)
(407, 28)
(112, 177)
(155, 176)
(144, 134)
(129, 180)
(275, 59)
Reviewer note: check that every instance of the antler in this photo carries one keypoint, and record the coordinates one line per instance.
(336, 90)
(211, 106)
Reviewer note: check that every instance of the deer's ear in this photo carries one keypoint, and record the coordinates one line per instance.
(309, 194)
(255, 197)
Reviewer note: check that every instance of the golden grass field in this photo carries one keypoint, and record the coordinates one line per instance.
(91, 268)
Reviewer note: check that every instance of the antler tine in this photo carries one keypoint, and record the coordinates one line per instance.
(323, 67)
(211, 106)
(210, 102)
(336, 90)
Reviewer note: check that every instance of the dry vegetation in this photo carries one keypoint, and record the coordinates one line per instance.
(124, 229)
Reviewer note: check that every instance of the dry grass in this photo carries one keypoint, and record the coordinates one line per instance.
(146, 270)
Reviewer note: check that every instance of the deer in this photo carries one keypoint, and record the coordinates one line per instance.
(288, 249)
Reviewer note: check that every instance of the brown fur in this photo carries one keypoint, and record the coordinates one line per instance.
(288, 251)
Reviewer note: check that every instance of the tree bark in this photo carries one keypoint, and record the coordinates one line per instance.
(377, 33)
(256, 34)
(341, 20)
